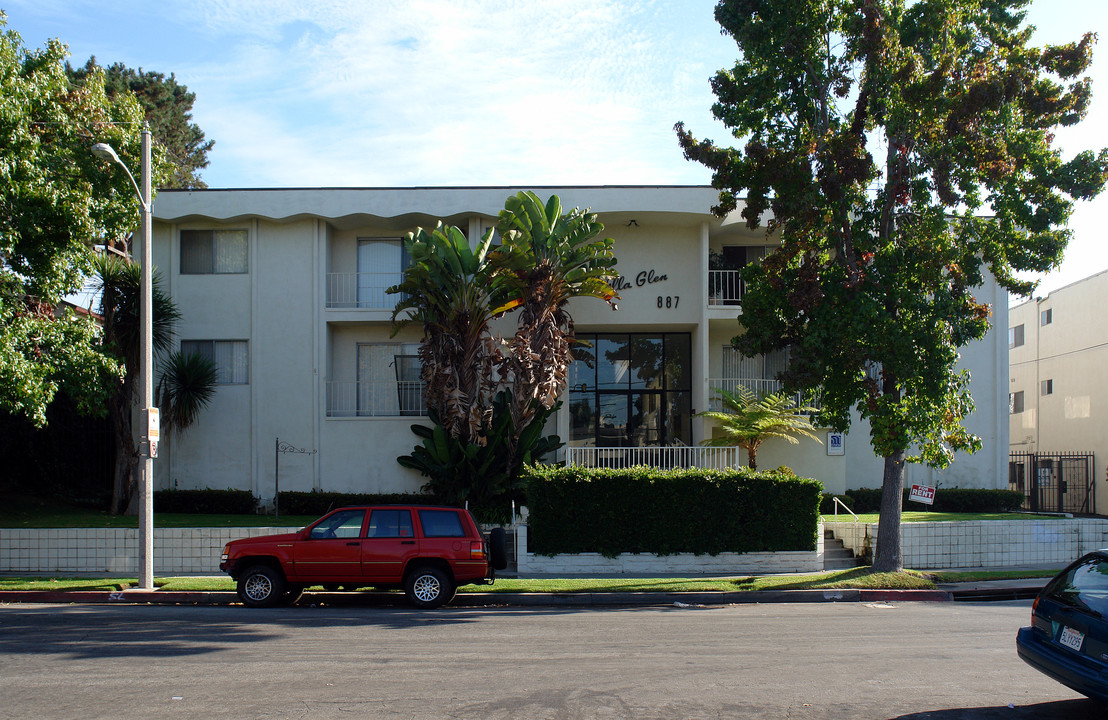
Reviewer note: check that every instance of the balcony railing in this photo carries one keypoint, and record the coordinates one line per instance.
(380, 398)
(725, 287)
(760, 386)
(712, 458)
(362, 290)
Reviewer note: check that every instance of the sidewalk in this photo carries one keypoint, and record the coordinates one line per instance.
(987, 590)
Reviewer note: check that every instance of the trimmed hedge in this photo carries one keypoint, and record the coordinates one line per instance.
(319, 503)
(647, 510)
(205, 502)
(827, 503)
(962, 500)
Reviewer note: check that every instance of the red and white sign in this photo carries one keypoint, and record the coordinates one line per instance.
(922, 494)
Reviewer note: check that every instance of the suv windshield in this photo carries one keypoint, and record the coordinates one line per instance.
(1085, 586)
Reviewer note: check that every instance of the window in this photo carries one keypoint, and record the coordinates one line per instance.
(204, 252)
(343, 524)
(381, 264)
(1046, 317)
(390, 524)
(389, 380)
(1015, 336)
(1046, 387)
(1015, 402)
(441, 523)
(232, 366)
(631, 390)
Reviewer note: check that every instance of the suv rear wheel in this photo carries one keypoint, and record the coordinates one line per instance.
(429, 587)
(261, 586)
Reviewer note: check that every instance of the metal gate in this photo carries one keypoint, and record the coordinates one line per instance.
(1053, 482)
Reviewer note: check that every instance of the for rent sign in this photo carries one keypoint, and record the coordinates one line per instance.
(922, 494)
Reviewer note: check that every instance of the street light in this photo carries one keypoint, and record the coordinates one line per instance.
(148, 448)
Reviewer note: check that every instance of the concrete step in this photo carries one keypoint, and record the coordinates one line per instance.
(835, 555)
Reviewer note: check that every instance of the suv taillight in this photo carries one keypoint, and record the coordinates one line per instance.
(477, 550)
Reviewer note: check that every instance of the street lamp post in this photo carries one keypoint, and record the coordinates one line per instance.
(148, 448)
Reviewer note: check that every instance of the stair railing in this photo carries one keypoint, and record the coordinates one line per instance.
(839, 502)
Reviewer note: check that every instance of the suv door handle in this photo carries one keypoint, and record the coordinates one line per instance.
(407, 542)
(353, 543)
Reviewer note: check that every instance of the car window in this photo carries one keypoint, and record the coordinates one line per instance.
(441, 523)
(1085, 586)
(343, 524)
(390, 524)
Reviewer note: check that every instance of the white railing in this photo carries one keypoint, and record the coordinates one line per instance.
(713, 458)
(362, 290)
(383, 398)
(725, 287)
(760, 386)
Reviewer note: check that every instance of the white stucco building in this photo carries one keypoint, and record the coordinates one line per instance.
(285, 290)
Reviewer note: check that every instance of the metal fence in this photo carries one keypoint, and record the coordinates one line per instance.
(1054, 482)
(681, 456)
(384, 398)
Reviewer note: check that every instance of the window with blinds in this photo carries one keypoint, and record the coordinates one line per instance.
(230, 357)
(207, 252)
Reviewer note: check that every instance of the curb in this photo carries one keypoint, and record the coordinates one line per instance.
(487, 599)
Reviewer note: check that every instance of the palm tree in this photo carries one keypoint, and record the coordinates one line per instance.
(453, 292)
(748, 420)
(547, 258)
(187, 383)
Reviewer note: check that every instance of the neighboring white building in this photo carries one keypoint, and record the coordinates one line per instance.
(1058, 396)
(285, 290)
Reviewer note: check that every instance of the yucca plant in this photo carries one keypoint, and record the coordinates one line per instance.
(186, 387)
(748, 420)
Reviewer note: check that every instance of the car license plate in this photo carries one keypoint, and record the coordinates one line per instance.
(1073, 639)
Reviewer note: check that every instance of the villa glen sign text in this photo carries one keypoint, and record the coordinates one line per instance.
(644, 278)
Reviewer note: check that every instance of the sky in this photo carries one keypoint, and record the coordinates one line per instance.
(383, 93)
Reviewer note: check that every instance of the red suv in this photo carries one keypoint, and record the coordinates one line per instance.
(427, 551)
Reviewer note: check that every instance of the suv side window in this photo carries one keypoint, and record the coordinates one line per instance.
(390, 524)
(343, 524)
(441, 523)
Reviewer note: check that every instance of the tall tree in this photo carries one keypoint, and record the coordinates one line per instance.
(547, 257)
(167, 105)
(873, 285)
(55, 200)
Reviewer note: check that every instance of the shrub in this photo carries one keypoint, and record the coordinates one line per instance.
(827, 503)
(960, 500)
(647, 510)
(206, 502)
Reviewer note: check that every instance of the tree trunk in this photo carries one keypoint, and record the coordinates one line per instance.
(889, 556)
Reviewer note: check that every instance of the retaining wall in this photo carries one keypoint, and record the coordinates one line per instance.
(984, 543)
(630, 564)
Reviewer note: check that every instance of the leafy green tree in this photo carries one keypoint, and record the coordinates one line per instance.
(167, 105)
(747, 420)
(55, 199)
(902, 150)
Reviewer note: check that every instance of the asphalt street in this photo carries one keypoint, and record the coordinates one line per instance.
(879, 660)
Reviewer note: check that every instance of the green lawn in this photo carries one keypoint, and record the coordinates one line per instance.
(915, 516)
(30, 512)
(838, 579)
(862, 578)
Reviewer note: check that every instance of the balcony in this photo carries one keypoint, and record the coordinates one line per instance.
(681, 456)
(725, 287)
(385, 398)
(365, 291)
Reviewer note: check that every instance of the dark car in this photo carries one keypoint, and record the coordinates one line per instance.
(1068, 637)
(427, 551)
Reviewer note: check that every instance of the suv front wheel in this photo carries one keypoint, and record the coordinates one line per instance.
(261, 586)
(429, 587)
